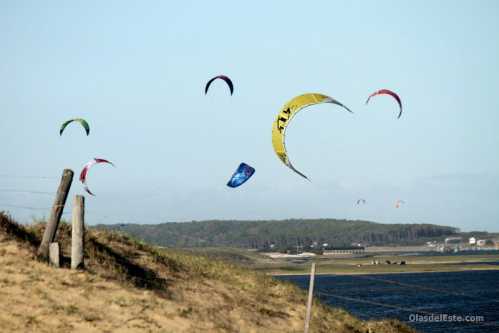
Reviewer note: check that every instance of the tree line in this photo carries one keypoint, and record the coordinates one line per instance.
(281, 234)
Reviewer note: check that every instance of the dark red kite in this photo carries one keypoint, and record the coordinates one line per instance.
(84, 172)
(387, 92)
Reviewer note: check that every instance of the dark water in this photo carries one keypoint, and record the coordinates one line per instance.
(404, 296)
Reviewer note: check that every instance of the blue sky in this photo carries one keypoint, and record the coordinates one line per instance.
(136, 71)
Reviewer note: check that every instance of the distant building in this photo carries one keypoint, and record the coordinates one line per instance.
(481, 242)
(472, 241)
(448, 248)
(453, 240)
(344, 250)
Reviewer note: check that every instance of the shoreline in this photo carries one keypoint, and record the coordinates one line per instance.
(489, 268)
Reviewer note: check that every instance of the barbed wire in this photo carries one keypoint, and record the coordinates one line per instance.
(391, 306)
(8, 190)
(24, 207)
(49, 209)
(27, 177)
(425, 288)
(397, 307)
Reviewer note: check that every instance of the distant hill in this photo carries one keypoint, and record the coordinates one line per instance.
(282, 233)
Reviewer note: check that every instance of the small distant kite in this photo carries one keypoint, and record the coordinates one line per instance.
(241, 175)
(388, 92)
(398, 203)
(361, 201)
(288, 111)
(83, 123)
(86, 168)
(222, 77)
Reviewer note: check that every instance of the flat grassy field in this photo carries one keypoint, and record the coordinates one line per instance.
(356, 265)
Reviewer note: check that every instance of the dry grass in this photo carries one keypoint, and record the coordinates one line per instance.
(129, 286)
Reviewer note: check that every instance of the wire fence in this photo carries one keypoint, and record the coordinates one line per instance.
(29, 191)
(413, 287)
(9, 190)
(23, 207)
(400, 308)
(28, 177)
(425, 288)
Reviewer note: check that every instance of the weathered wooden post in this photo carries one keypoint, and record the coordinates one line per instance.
(310, 297)
(55, 214)
(54, 255)
(78, 232)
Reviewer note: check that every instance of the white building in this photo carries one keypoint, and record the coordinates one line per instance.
(472, 241)
(481, 242)
(453, 240)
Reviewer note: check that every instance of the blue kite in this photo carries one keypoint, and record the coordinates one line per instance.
(242, 174)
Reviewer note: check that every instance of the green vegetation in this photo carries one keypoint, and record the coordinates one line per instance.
(282, 233)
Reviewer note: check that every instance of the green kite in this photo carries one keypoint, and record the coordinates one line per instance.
(83, 123)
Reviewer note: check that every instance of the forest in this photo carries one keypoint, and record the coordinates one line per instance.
(281, 234)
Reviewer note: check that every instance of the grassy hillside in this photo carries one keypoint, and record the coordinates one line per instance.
(284, 233)
(129, 286)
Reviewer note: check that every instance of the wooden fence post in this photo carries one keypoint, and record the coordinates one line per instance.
(310, 297)
(55, 214)
(78, 232)
(55, 255)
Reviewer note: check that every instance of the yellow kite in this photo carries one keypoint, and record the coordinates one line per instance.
(288, 111)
